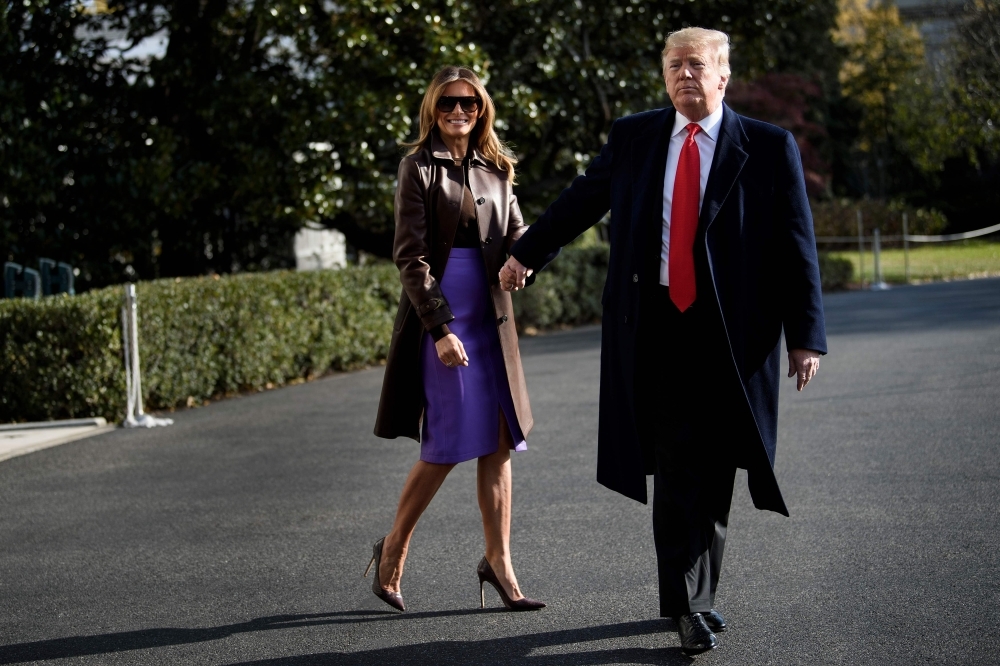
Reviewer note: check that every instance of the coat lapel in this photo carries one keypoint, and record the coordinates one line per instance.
(726, 166)
(484, 213)
(648, 163)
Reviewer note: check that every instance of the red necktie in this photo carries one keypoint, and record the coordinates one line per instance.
(684, 222)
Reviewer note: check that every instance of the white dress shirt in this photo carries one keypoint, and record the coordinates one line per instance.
(706, 139)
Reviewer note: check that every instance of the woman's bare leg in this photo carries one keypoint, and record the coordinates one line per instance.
(421, 485)
(493, 481)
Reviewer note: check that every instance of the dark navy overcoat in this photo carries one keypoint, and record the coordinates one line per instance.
(756, 250)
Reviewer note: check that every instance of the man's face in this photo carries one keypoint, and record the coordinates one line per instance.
(693, 81)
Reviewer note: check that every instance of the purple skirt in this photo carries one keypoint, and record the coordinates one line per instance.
(462, 405)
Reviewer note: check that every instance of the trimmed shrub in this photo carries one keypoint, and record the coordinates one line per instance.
(834, 272)
(208, 336)
(200, 337)
(567, 293)
(61, 357)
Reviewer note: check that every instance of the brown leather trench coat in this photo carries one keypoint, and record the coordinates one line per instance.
(428, 183)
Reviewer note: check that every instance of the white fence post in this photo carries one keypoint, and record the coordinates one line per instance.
(134, 416)
(906, 249)
(878, 284)
(861, 251)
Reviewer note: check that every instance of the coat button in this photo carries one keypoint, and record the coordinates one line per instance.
(489, 239)
(503, 319)
(481, 200)
(626, 319)
(635, 277)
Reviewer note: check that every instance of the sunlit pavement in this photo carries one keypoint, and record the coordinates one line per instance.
(21, 439)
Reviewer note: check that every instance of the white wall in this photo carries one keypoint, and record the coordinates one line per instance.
(317, 248)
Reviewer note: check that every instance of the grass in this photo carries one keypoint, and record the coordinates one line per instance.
(931, 262)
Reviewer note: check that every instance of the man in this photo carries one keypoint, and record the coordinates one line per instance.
(712, 256)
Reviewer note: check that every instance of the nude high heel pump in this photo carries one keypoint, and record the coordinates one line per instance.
(486, 575)
(392, 598)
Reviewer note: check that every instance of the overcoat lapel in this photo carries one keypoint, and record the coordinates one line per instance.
(484, 214)
(648, 164)
(450, 189)
(726, 167)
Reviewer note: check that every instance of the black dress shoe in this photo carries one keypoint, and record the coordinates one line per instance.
(695, 635)
(394, 599)
(486, 575)
(715, 621)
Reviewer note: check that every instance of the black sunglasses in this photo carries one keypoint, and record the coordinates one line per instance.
(469, 104)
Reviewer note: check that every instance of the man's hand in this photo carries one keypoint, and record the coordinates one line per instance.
(513, 275)
(451, 351)
(802, 364)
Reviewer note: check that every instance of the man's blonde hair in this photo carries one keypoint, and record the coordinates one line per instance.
(700, 38)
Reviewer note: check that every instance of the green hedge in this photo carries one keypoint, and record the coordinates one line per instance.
(61, 357)
(834, 272)
(566, 293)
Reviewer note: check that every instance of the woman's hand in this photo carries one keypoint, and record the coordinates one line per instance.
(451, 351)
(513, 275)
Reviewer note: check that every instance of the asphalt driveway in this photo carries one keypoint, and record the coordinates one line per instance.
(239, 534)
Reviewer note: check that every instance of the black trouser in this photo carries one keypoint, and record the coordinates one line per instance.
(695, 465)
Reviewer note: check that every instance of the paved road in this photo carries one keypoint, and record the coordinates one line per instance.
(238, 535)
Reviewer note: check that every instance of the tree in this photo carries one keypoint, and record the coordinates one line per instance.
(210, 155)
(789, 101)
(66, 154)
(207, 155)
(977, 76)
(562, 72)
(904, 124)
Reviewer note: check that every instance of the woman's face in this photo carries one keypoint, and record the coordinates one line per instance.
(456, 123)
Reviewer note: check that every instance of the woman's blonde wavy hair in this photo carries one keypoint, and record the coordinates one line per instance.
(484, 137)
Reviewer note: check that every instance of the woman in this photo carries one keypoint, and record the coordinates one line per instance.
(454, 359)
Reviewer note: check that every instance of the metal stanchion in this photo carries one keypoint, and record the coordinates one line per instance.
(861, 251)
(878, 284)
(134, 416)
(906, 249)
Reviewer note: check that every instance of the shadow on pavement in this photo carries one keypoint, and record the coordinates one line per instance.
(465, 652)
(78, 646)
(513, 649)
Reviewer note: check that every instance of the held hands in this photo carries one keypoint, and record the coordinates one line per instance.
(451, 351)
(802, 364)
(513, 275)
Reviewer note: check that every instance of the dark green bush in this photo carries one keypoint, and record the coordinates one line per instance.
(209, 336)
(834, 272)
(566, 293)
(62, 357)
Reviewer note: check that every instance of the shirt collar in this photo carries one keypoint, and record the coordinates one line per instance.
(441, 152)
(710, 124)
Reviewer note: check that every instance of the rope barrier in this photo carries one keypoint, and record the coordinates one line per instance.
(907, 238)
(953, 237)
(915, 238)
